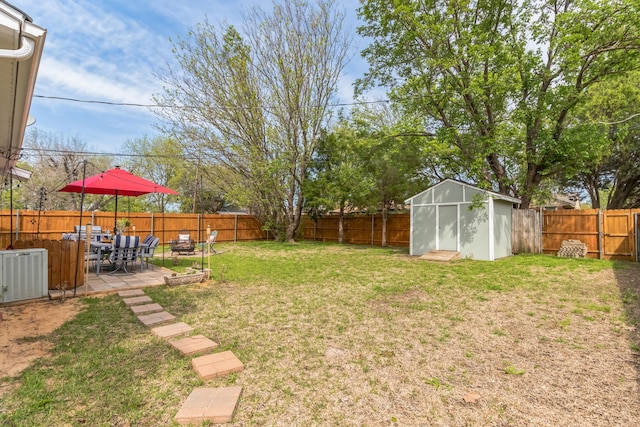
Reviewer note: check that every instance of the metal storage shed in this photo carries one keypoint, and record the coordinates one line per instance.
(454, 216)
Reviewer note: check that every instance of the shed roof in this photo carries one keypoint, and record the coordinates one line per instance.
(491, 194)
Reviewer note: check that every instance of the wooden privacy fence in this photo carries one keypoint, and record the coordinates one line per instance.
(50, 225)
(526, 231)
(359, 230)
(66, 261)
(608, 234)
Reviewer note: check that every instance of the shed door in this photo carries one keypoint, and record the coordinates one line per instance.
(448, 228)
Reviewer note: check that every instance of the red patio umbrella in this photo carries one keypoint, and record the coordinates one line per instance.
(116, 182)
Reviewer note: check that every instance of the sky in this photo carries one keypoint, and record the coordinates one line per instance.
(111, 50)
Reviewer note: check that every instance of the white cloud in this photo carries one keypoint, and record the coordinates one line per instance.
(68, 78)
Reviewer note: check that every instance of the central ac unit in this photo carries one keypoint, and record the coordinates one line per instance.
(23, 274)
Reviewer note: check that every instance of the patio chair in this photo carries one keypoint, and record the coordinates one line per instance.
(147, 251)
(183, 244)
(211, 240)
(91, 256)
(124, 252)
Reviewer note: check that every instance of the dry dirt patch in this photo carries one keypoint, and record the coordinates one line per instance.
(23, 331)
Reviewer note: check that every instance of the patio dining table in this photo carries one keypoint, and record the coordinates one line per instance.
(104, 248)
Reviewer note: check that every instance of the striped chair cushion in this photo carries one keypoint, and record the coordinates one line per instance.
(126, 241)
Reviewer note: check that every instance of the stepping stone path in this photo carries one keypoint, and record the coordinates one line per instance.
(216, 405)
(146, 308)
(192, 345)
(136, 300)
(172, 330)
(155, 318)
(216, 365)
(209, 404)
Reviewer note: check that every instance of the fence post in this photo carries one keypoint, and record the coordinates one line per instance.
(540, 222)
(152, 223)
(17, 224)
(235, 228)
(637, 239)
(373, 222)
(315, 227)
(600, 242)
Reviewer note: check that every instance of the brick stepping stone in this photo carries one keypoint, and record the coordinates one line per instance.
(216, 405)
(172, 330)
(216, 365)
(194, 344)
(137, 300)
(155, 318)
(146, 308)
(130, 293)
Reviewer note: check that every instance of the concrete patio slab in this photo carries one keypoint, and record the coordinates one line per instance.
(216, 405)
(216, 365)
(146, 308)
(137, 300)
(172, 330)
(155, 318)
(194, 344)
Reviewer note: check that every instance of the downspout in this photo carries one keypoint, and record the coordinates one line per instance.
(22, 53)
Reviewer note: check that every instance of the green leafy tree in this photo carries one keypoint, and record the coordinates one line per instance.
(337, 176)
(158, 159)
(496, 81)
(256, 102)
(57, 159)
(610, 114)
(392, 157)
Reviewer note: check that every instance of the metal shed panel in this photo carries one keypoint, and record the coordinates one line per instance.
(470, 193)
(424, 198)
(448, 192)
(423, 224)
(474, 231)
(502, 229)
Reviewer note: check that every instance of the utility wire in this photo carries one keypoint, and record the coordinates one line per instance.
(339, 104)
(98, 154)
(133, 104)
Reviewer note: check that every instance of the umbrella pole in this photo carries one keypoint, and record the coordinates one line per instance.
(163, 241)
(75, 279)
(115, 216)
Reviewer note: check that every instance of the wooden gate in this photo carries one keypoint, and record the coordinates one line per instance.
(618, 235)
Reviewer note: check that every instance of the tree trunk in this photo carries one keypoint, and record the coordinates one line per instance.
(293, 222)
(384, 225)
(341, 225)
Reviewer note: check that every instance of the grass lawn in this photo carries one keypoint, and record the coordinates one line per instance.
(359, 336)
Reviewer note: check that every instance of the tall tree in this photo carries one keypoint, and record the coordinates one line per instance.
(497, 80)
(256, 102)
(58, 159)
(337, 178)
(157, 159)
(392, 155)
(610, 114)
